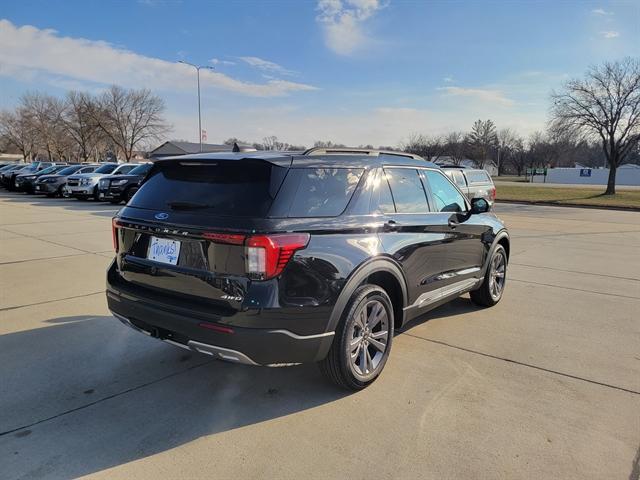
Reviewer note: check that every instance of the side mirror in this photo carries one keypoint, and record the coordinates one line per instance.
(479, 205)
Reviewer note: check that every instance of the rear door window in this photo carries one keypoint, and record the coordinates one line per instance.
(478, 176)
(322, 192)
(221, 188)
(407, 190)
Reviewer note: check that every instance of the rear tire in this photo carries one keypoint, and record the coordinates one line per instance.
(362, 340)
(495, 278)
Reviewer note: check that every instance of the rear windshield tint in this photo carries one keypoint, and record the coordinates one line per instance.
(479, 176)
(223, 188)
(321, 192)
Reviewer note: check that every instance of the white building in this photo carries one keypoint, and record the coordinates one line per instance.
(627, 174)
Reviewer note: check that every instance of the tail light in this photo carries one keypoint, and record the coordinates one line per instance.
(114, 233)
(267, 255)
(492, 193)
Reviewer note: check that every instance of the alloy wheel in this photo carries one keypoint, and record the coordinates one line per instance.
(497, 275)
(369, 339)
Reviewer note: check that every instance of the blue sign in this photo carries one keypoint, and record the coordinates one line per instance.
(585, 172)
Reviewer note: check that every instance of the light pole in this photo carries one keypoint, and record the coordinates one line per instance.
(198, 67)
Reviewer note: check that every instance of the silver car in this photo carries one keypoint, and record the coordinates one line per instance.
(85, 185)
(474, 183)
(52, 185)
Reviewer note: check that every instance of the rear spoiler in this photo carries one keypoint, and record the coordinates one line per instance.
(276, 158)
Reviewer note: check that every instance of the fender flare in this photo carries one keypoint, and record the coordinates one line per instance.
(500, 235)
(378, 264)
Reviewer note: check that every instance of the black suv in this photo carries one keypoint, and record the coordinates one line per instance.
(121, 187)
(275, 259)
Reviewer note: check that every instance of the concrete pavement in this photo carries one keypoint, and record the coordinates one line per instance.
(544, 385)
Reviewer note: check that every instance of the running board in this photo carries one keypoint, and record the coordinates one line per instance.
(433, 296)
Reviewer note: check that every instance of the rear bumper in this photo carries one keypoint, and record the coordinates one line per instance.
(252, 346)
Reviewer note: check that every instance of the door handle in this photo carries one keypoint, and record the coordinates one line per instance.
(391, 226)
(453, 223)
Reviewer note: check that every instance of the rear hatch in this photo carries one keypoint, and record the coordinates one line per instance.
(185, 235)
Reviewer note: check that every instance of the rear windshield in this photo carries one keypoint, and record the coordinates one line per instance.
(478, 176)
(224, 188)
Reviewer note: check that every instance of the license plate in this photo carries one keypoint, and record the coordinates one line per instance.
(163, 250)
(37, 187)
(101, 195)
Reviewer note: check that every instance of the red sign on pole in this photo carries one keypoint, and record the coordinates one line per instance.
(203, 134)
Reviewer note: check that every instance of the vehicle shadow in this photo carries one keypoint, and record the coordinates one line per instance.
(84, 394)
(458, 306)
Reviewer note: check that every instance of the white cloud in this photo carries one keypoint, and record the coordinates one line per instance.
(43, 51)
(217, 61)
(266, 65)
(483, 94)
(448, 80)
(610, 34)
(601, 11)
(342, 22)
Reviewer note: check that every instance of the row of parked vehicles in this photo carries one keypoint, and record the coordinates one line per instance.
(110, 182)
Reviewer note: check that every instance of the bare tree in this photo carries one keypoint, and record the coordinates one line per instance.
(328, 144)
(545, 149)
(129, 118)
(79, 125)
(17, 129)
(507, 140)
(431, 148)
(481, 141)
(518, 156)
(272, 143)
(455, 147)
(604, 105)
(45, 113)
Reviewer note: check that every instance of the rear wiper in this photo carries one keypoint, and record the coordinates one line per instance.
(187, 205)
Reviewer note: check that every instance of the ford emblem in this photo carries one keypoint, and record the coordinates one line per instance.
(161, 216)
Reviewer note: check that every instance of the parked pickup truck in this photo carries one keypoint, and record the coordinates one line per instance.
(474, 183)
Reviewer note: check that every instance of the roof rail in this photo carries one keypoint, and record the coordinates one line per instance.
(451, 165)
(363, 151)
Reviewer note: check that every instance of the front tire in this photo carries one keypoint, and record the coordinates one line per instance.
(492, 288)
(362, 340)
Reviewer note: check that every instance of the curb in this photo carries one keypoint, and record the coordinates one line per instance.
(570, 205)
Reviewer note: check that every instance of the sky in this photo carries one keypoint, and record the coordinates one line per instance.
(350, 71)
